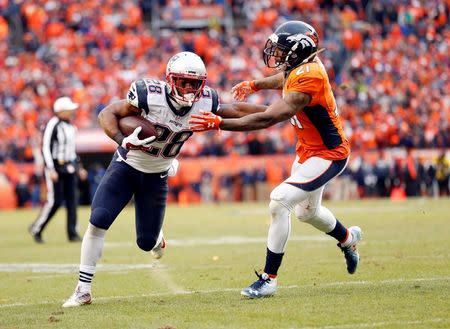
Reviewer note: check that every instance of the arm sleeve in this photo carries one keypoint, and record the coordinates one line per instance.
(47, 144)
(137, 95)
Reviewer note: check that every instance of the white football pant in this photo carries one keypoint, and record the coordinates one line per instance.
(313, 173)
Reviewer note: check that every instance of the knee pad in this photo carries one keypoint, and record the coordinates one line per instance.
(146, 243)
(277, 208)
(101, 218)
(278, 199)
(305, 214)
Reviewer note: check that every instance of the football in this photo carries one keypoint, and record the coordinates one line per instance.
(128, 124)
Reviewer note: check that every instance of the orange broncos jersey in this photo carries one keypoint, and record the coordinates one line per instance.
(318, 127)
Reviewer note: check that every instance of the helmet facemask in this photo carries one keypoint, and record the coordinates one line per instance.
(185, 89)
(277, 56)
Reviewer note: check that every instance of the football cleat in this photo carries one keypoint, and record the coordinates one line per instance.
(78, 298)
(350, 251)
(263, 287)
(159, 249)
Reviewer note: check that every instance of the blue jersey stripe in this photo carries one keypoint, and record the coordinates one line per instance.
(320, 118)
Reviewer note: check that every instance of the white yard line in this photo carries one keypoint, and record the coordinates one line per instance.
(180, 291)
(224, 240)
(339, 208)
(71, 268)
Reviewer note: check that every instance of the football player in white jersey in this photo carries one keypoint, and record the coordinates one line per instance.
(140, 168)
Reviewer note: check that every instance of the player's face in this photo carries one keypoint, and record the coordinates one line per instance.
(187, 86)
(274, 56)
(278, 55)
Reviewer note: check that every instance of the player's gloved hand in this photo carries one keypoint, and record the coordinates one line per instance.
(244, 89)
(132, 142)
(173, 168)
(205, 121)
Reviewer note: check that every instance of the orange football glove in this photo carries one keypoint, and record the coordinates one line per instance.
(244, 89)
(205, 121)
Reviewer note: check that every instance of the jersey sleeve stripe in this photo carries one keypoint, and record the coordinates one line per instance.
(215, 101)
(142, 92)
(49, 135)
(320, 118)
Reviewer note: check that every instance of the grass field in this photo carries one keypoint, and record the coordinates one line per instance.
(403, 280)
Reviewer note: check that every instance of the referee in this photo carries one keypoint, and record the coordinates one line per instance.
(58, 148)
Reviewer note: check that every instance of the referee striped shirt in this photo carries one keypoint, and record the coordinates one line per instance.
(58, 144)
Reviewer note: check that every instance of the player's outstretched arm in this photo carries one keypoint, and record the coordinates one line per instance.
(109, 117)
(273, 82)
(238, 110)
(244, 89)
(279, 111)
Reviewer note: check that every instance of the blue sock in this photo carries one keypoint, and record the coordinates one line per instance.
(273, 263)
(339, 232)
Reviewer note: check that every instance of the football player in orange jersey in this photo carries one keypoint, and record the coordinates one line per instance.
(322, 148)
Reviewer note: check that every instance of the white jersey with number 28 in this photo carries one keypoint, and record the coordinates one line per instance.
(151, 97)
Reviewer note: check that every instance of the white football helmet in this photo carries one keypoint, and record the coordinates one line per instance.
(186, 77)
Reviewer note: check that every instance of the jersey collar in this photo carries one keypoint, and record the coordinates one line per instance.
(182, 111)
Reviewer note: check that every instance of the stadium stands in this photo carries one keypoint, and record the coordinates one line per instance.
(388, 61)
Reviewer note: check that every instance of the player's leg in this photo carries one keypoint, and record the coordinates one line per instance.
(150, 199)
(312, 212)
(54, 200)
(305, 178)
(114, 192)
(282, 201)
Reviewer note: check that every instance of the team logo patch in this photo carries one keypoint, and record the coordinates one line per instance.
(131, 95)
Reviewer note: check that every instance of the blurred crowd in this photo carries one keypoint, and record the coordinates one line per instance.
(383, 175)
(387, 60)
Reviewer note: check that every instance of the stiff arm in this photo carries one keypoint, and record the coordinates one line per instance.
(280, 111)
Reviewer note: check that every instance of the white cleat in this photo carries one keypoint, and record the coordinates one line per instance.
(159, 250)
(78, 299)
(263, 287)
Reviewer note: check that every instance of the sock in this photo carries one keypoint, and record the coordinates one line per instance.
(91, 250)
(273, 263)
(85, 276)
(339, 232)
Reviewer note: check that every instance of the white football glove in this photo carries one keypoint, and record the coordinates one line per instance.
(173, 167)
(132, 142)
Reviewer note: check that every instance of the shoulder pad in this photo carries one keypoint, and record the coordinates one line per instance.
(137, 95)
(210, 93)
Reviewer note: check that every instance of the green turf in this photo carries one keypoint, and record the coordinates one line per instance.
(403, 280)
